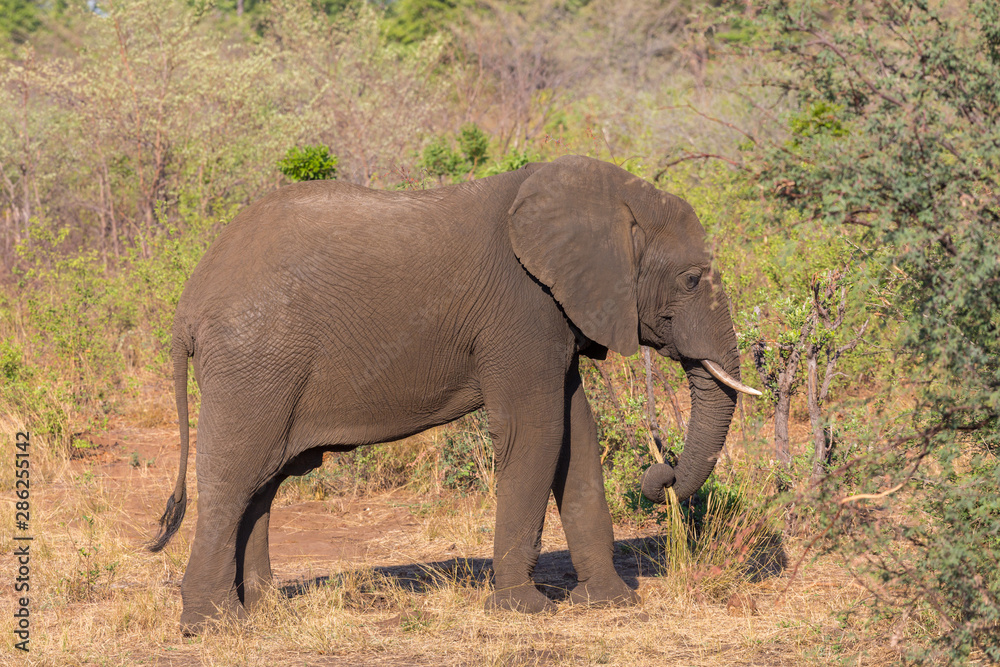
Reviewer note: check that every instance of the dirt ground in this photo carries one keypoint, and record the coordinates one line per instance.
(423, 563)
(310, 540)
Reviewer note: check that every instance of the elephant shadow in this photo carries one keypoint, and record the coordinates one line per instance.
(554, 574)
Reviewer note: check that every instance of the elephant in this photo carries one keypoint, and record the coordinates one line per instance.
(326, 316)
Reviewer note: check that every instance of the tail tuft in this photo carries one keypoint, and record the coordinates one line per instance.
(169, 522)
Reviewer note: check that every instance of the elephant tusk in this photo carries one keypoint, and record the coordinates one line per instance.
(724, 377)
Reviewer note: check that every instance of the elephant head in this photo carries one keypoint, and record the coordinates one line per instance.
(628, 264)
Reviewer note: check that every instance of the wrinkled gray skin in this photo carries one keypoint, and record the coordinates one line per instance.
(328, 316)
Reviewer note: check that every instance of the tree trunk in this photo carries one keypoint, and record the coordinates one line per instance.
(786, 385)
(821, 446)
(781, 413)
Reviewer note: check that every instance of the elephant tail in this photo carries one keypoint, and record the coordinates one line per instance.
(177, 503)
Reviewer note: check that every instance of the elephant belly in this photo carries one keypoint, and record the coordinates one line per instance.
(372, 406)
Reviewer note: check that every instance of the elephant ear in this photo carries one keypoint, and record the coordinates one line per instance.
(572, 230)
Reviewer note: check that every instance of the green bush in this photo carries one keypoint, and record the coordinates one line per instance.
(511, 161)
(441, 159)
(466, 457)
(12, 366)
(410, 21)
(95, 328)
(36, 398)
(308, 163)
(19, 19)
(457, 464)
(623, 469)
(474, 144)
(896, 140)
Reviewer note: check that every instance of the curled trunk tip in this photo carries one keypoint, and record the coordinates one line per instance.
(656, 480)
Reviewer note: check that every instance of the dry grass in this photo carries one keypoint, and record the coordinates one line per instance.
(412, 593)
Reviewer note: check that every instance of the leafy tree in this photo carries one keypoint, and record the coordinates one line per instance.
(308, 163)
(410, 21)
(897, 134)
(18, 19)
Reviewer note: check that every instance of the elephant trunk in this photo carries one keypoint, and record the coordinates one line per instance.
(712, 407)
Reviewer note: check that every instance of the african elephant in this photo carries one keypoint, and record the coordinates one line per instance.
(327, 316)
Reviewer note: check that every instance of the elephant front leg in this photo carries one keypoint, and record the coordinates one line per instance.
(579, 493)
(527, 451)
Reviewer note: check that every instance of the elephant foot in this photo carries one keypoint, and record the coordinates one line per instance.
(256, 593)
(194, 628)
(194, 623)
(524, 598)
(605, 592)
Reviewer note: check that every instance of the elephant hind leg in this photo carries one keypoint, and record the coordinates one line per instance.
(208, 590)
(229, 564)
(253, 558)
(241, 442)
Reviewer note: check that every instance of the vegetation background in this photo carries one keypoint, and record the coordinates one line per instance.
(844, 157)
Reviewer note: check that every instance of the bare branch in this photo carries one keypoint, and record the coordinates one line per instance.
(629, 431)
(695, 156)
(673, 398)
(873, 496)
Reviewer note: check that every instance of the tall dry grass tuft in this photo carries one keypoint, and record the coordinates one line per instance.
(725, 538)
(676, 551)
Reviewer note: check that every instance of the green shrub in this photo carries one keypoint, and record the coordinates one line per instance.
(410, 21)
(20, 18)
(12, 366)
(308, 163)
(895, 141)
(511, 161)
(441, 159)
(36, 398)
(623, 469)
(94, 329)
(474, 144)
(465, 461)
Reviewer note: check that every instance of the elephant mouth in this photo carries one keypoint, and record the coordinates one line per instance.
(665, 348)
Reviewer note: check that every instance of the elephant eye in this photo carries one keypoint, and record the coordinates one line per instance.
(692, 280)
